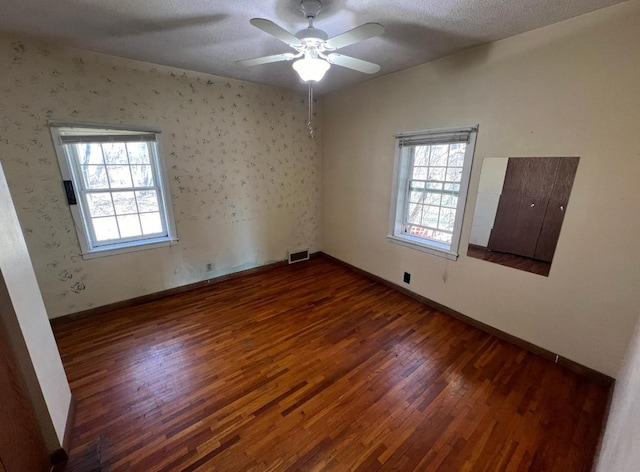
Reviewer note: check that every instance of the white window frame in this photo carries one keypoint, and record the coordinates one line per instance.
(89, 247)
(399, 192)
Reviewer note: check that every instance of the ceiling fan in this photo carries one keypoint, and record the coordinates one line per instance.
(314, 51)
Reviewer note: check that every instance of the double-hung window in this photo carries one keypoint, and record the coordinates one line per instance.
(431, 178)
(116, 187)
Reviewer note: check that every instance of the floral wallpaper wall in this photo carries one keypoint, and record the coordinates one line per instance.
(244, 174)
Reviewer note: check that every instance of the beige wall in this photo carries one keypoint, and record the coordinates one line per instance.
(23, 315)
(244, 174)
(570, 89)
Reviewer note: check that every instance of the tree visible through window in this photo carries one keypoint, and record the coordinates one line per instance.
(430, 181)
(118, 178)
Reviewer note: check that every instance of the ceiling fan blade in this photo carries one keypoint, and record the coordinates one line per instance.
(359, 33)
(266, 59)
(353, 63)
(271, 28)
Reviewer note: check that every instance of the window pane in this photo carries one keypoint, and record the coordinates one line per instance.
(454, 174)
(432, 234)
(129, 226)
(151, 223)
(433, 198)
(452, 187)
(100, 204)
(439, 155)
(105, 228)
(415, 231)
(437, 173)
(138, 153)
(416, 196)
(434, 186)
(142, 176)
(414, 215)
(447, 218)
(125, 203)
(94, 177)
(420, 173)
(456, 154)
(421, 156)
(147, 200)
(449, 200)
(89, 153)
(115, 153)
(119, 176)
(440, 236)
(430, 216)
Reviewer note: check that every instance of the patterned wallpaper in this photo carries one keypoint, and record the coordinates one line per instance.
(244, 174)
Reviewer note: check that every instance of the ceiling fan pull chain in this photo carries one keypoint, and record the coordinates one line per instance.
(309, 121)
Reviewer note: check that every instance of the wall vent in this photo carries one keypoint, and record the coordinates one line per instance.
(298, 256)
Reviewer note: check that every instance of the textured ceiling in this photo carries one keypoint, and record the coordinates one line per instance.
(210, 35)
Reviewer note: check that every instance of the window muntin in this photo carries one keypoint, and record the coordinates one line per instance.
(431, 178)
(119, 182)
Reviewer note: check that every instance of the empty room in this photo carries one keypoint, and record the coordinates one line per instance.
(326, 235)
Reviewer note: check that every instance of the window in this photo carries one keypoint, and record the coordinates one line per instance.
(431, 177)
(116, 187)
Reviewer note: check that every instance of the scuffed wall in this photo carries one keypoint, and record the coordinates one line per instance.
(244, 175)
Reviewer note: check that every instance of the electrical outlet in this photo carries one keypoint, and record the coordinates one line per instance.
(407, 278)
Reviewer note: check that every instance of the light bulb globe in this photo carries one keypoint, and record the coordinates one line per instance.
(311, 69)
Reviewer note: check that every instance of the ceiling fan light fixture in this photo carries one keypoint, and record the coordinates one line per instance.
(311, 69)
(311, 44)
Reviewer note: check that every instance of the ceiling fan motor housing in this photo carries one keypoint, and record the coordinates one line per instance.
(312, 33)
(311, 8)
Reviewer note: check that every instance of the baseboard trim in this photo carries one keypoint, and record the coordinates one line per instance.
(163, 293)
(579, 369)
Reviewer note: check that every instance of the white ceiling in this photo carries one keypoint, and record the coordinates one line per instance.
(210, 35)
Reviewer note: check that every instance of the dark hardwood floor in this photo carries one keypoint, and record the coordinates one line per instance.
(314, 367)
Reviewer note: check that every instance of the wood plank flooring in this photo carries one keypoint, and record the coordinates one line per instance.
(313, 367)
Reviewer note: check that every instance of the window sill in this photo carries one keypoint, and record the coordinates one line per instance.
(420, 245)
(124, 248)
